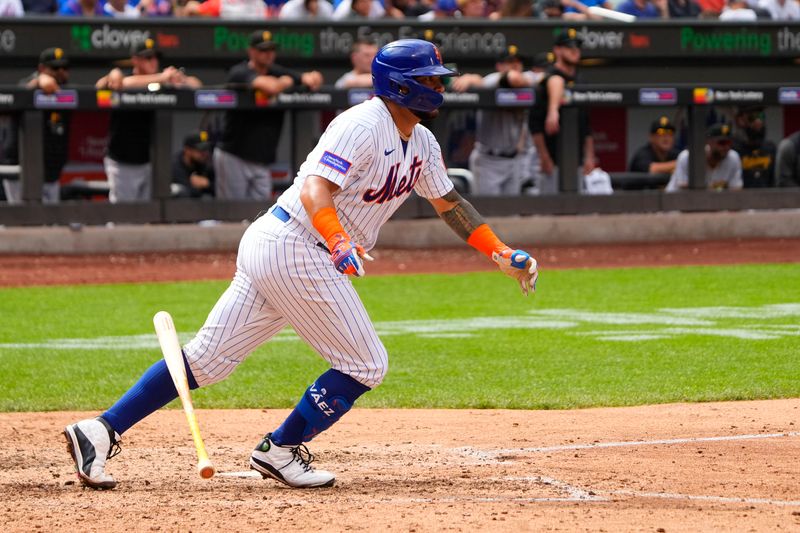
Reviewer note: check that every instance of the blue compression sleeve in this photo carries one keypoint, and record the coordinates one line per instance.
(323, 403)
(153, 391)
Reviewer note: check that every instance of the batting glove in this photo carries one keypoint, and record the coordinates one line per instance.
(520, 266)
(346, 256)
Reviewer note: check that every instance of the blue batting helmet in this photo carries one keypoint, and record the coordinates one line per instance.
(398, 63)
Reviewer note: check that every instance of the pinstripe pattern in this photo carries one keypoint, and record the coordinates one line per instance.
(283, 277)
(362, 136)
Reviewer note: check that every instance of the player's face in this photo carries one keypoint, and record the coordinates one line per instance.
(664, 139)
(61, 74)
(431, 82)
(145, 65)
(754, 125)
(262, 59)
(569, 55)
(720, 147)
(196, 156)
(506, 66)
(362, 57)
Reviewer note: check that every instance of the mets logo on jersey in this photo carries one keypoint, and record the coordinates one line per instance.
(395, 186)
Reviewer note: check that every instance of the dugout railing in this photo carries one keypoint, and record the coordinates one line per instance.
(30, 105)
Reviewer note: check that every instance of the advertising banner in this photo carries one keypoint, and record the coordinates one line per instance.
(459, 40)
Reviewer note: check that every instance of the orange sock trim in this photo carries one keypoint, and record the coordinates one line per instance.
(484, 240)
(327, 223)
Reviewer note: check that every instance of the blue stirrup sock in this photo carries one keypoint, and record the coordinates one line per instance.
(323, 403)
(153, 391)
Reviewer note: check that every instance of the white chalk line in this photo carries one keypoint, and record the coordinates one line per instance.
(575, 493)
(492, 454)
(477, 499)
(597, 495)
(241, 474)
(660, 324)
(578, 494)
(705, 498)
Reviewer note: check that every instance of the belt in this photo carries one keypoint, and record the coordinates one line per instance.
(284, 216)
(500, 153)
(280, 213)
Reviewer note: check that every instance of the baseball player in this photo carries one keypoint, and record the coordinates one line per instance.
(294, 264)
(362, 53)
(51, 75)
(723, 165)
(502, 153)
(249, 140)
(127, 161)
(544, 119)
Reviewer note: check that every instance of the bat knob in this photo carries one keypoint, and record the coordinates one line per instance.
(206, 469)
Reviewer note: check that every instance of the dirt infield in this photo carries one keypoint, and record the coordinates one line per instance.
(683, 467)
(712, 467)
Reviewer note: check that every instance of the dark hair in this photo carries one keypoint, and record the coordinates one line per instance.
(362, 40)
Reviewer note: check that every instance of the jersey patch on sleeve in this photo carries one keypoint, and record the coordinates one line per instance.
(335, 162)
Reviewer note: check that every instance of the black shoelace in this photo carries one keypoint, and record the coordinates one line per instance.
(114, 450)
(301, 454)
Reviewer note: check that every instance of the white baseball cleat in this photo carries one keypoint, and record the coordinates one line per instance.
(91, 442)
(288, 464)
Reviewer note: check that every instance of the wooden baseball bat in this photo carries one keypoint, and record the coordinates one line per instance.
(171, 348)
(610, 14)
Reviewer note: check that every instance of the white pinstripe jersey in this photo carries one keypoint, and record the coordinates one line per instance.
(362, 153)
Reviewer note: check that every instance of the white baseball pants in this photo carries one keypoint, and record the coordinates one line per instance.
(127, 183)
(283, 277)
(238, 179)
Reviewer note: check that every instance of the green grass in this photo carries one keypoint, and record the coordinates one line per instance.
(523, 367)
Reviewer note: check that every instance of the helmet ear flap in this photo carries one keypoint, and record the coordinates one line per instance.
(397, 83)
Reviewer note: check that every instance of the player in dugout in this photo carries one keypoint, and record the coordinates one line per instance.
(659, 155)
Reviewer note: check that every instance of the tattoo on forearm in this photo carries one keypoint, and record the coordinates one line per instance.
(462, 218)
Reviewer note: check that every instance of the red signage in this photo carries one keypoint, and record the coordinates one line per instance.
(610, 137)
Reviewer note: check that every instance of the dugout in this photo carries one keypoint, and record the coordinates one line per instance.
(753, 63)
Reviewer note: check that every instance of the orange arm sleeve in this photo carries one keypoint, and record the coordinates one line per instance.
(327, 223)
(484, 240)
